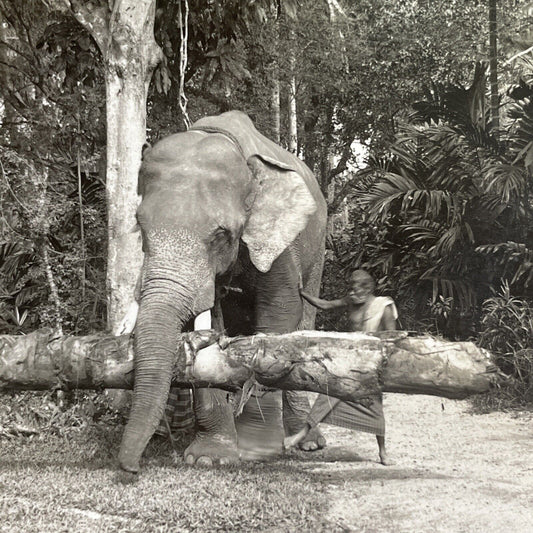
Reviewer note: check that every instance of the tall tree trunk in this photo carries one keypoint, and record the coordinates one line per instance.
(293, 117)
(276, 100)
(125, 36)
(493, 62)
(41, 226)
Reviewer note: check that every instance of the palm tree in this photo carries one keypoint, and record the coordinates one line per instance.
(448, 192)
(512, 181)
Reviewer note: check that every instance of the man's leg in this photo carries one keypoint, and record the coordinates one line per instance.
(321, 409)
(383, 459)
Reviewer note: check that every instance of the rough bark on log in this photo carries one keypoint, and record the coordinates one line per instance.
(349, 366)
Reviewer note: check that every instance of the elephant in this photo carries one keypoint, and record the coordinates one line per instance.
(224, 211)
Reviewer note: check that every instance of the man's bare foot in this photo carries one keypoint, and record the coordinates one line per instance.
(384, 460)
(313, 441)
(294, 440)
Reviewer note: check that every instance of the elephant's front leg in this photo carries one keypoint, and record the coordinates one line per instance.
(296, 405)
(215, 436)
(278, 310)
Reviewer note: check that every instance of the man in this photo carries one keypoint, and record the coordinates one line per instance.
(366, 312)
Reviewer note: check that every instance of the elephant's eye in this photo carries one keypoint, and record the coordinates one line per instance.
(220, 239)
(221, 234)
(223, 249)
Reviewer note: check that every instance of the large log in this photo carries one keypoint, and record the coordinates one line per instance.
(349, 366)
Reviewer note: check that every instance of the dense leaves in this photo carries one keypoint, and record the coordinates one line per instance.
(52, 231)
(507, 330)
(449, 207)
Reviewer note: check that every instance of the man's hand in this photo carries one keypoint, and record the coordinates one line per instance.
(127, 324)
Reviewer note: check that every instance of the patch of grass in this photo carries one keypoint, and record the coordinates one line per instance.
(69, 480)
(512, 397)
(507, 331)
(71, 484)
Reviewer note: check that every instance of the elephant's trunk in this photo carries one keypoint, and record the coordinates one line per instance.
(165, 305)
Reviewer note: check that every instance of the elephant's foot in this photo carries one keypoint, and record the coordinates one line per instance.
(126, 478)
(210, 450)
(216, 439)
(313, 441)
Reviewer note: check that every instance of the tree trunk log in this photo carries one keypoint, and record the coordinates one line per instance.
(349, 366)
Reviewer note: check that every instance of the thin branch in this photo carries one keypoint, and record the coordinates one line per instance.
(33, 83)
(340, 195)
(9, 99)
(11, 190)
(342, 164)
(14, 67)
(184, 38)
(28, 33)
(16, 50)
(82, 227)
(54, 293)
(516, 56)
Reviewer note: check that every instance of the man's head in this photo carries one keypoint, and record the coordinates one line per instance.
(361, 286)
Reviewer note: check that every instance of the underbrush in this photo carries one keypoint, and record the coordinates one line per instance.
(511, 397)
(507, 332)
(33, 413)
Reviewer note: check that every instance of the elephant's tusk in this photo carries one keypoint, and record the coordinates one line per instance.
(203, 320)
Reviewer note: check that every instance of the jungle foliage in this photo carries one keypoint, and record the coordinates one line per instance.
(434, 202)
(444, 220)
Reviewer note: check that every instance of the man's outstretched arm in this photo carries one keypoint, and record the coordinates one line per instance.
(324, 304)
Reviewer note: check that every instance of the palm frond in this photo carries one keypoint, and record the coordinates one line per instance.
(508, 181)
(459, 291)
(425, 233)
(28, 295)
(15, 259)
(455, 103)
(514, 257)
(522, 131)
(448, 241)
(461, 109)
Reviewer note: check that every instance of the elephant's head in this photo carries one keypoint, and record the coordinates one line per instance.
(201, 194)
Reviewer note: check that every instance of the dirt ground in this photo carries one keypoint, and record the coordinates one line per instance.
(453, 471)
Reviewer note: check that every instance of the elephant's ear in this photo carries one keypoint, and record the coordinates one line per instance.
(280, 211)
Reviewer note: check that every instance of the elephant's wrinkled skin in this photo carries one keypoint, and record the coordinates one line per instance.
(224, 211)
